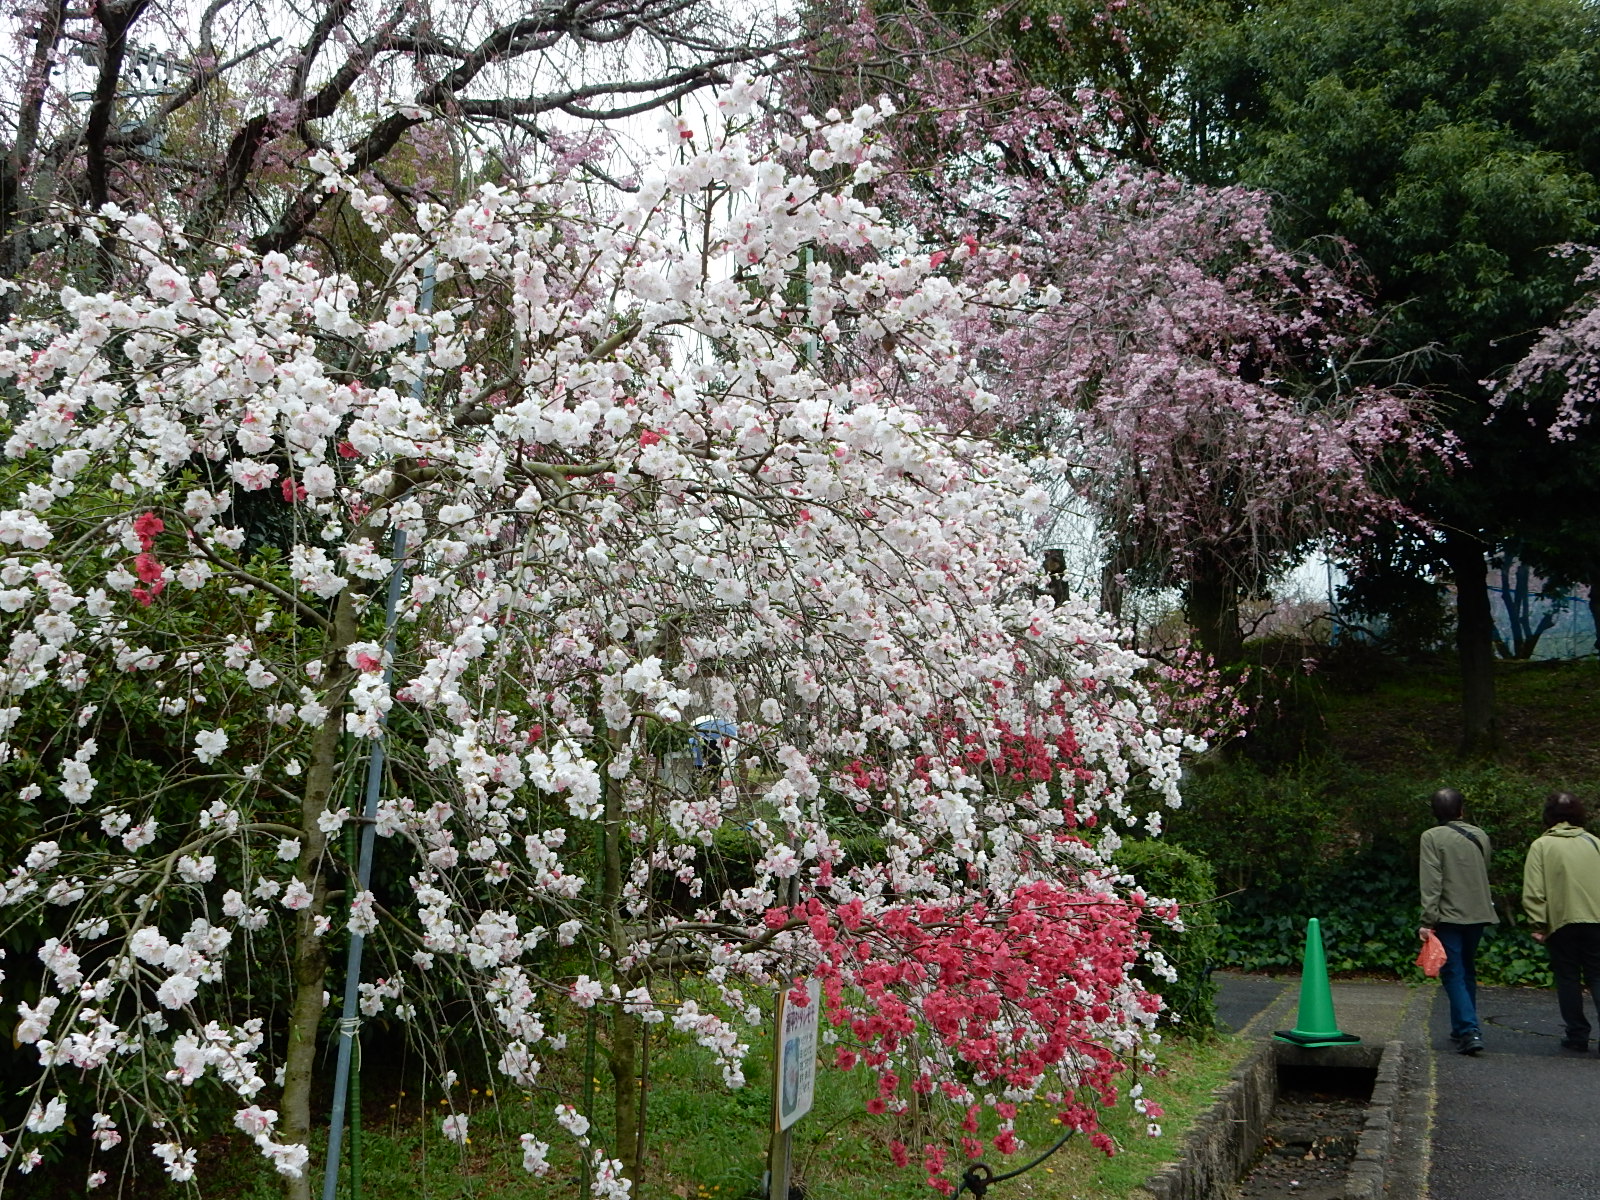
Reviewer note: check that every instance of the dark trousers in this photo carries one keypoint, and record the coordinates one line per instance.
(1459, 975)
(1575, 962)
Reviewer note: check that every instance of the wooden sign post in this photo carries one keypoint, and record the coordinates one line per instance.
(794, 1080)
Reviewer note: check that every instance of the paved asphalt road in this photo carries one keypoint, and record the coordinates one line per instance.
(1241, 997)
(1522, 1120)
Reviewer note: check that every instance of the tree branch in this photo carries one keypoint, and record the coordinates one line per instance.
(115, 21)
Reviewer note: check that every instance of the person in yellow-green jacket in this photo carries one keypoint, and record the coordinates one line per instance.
(1561, 895)
(1456, 905)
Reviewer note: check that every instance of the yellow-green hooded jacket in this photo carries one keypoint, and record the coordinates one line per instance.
(1561, 879)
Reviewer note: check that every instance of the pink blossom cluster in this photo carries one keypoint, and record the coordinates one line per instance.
(1030, 999)
(1568, 351)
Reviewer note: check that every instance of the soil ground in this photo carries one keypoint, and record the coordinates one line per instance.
(1309, 1145)
(1390, 718)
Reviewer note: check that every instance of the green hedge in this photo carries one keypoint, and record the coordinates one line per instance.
(1173, 873)
(1367, 909)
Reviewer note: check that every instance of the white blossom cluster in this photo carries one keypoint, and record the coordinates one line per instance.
(632, 499)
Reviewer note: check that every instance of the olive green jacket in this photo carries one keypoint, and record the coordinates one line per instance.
(1561, 878)
(1455, 876)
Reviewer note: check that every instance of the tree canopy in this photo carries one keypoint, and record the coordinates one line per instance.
(1451, 147)
(1452, 143)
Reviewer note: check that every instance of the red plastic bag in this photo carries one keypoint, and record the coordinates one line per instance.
(1431, 957)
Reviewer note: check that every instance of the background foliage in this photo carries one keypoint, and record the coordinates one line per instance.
(1172, 872)
(1325, 823)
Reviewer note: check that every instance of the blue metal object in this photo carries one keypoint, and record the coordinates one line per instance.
(350, 1018)
(708, 741)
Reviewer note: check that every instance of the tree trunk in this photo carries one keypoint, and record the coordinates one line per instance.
(24, 179)
(1055, 575)
(1211, 604)
(628, 1137)
(625, 1081)
(1112, 591)
(1465, 556)
(305, 1014)
(310, 950)
(1516, 595)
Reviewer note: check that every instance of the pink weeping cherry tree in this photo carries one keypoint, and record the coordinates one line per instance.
(1194, 384)
(648, 471)
(1567, 354)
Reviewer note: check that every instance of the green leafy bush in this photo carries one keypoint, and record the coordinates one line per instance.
(1259, 830)
(1367, 908)
(1171, 872)
(1364, 906)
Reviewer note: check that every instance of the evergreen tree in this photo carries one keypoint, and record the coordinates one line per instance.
(1452, 145)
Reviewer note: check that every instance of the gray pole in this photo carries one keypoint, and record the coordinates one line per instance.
(350, 1019)
(780, 1151)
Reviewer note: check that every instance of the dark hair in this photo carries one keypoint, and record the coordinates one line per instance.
(1447, 804)
(1563, 806)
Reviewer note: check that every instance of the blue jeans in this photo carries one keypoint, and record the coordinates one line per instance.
(1460, 976)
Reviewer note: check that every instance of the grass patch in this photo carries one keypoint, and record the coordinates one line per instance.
(1190, 1071)
(709, 1143)
(1408, 720)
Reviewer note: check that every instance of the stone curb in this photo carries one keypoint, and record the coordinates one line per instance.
(1368, 1173)
(1224, 1139)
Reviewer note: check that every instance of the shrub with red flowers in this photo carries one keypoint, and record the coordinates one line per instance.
(989, 1005)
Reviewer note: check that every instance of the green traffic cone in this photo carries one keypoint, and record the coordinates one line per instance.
(1315, 1026)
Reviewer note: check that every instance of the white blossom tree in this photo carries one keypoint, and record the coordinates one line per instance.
(638, 475)
(206, 112)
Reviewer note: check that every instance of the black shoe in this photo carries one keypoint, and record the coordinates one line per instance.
(1573, 1046)
(1470, 1045)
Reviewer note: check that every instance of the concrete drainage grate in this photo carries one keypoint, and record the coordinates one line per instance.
(1367, 1173)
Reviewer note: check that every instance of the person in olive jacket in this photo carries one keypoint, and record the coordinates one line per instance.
(1457, 906)
(1561, 895)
